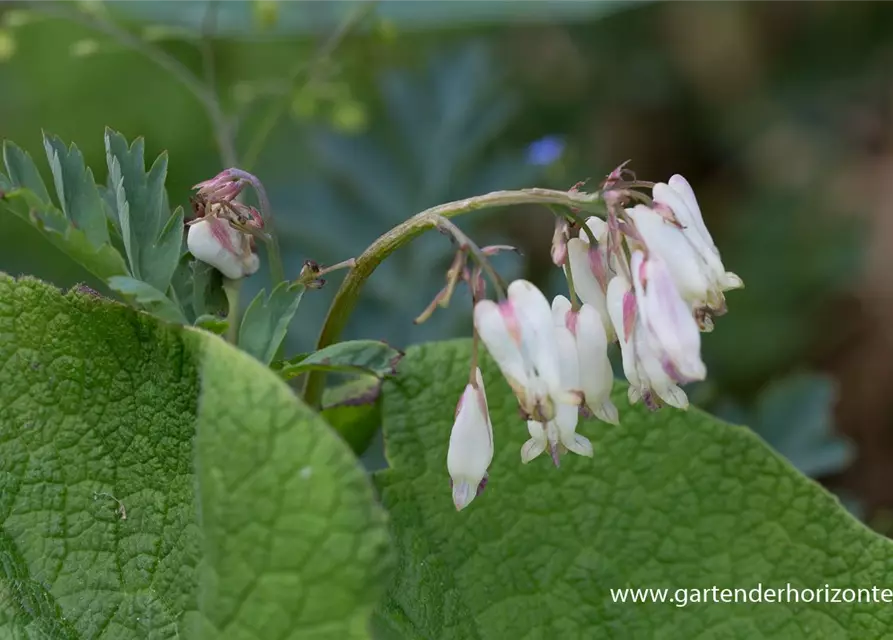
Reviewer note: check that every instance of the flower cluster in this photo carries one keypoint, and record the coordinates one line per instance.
(649, 277)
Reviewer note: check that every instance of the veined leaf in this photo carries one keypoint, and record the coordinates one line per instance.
(158, 483)
(670, 500)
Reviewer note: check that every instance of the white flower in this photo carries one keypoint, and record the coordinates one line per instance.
(596, 374)
(688, 249)
(471, 444)
(560, 433)
(214, 241)
(664, 319)
(641, 364)
(590, 269)
(520, 336)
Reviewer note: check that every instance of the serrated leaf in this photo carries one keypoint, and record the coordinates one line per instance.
(158, 483)
(670, 500)
(103, 261)
(353, 409)
(152, 237)
(76, 190)
(266, 320)
(149, 298)
(352, 356)
(22, 172)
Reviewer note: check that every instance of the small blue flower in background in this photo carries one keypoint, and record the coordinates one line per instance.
(545, 151)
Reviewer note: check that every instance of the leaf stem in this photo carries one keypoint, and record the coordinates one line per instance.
(231, 289)
(280, 106)
(348, 294)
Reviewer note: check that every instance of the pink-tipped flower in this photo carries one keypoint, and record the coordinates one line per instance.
(471, 444)
(591, 270)
(519, 334)
(648, 381)
(675, 230)
(559, 434)
(214, 241)
(666, 320)
(596, 375)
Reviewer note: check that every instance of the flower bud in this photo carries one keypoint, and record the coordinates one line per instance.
(471, 444)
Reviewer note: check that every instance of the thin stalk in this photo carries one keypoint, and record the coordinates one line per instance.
(475, 251)
(231, 288)
(348, 294)
(279, 107)
(177, 69)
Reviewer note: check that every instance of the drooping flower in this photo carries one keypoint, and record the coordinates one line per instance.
(471, 444)
(213, 240)
(559, 434)
(674, 229)
(591, 269)
(596, 375)
(641, 365)
(665, 320)
(519, 334)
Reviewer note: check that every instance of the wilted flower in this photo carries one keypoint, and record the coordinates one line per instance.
(519, 334)
(641, 365)
(471, 444)
(674, 229)
(559, 242)
(214, 240)
(560, 433)
(596, 375)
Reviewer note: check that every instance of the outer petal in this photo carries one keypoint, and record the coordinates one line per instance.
(216, 243)
(491, 327)
(666, 319)
(596, 375)
(618, 287)
(561, 306)
(671, 244)
(692, 230)
(654, 377)
(585, 282)
(538, 344)
(681, 186)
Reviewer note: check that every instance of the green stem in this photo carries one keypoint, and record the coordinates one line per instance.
(231, 289)
(279, 107)
(346, 298)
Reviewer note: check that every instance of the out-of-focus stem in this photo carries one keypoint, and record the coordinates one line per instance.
(348, 294)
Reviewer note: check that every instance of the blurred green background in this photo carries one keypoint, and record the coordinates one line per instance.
(358, 114)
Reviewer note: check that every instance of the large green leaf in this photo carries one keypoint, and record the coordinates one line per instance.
(157, 483)
(670, 500)
(240, 17)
